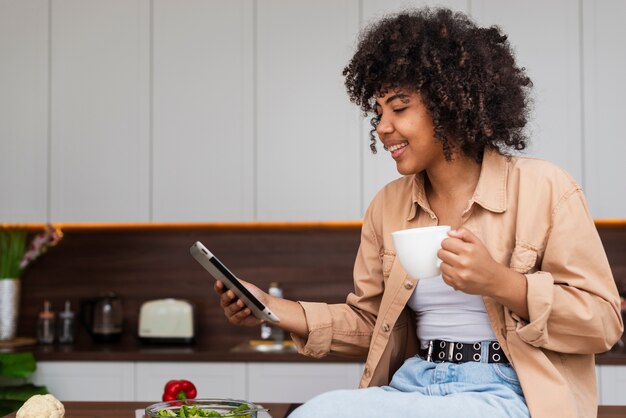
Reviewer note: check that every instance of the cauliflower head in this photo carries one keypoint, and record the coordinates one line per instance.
(41, 406)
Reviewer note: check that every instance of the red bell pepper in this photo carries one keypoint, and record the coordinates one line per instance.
(179, 390)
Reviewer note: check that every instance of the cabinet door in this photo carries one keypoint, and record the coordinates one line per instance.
(299, 382)
(213, 380)
(24, 111)
(612, 381)
(87, 381)
(604, 58)
(549, 49)
(100, 111)
(308, 141)
(203, 105)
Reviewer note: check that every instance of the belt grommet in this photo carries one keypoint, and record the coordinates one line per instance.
(496, 357)
(459, 346)
(442, 344)
(441, 355)
(458, 356)
(476, 357)
(495, 345)
(477, 346)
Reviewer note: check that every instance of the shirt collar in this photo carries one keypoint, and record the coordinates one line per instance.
(490, 191)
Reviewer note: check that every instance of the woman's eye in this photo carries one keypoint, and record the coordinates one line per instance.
(398, 110)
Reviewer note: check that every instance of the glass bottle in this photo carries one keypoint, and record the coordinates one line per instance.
(65, 333)
(269, 332)
(45, 324)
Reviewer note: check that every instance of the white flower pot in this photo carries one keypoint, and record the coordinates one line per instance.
(9, 308)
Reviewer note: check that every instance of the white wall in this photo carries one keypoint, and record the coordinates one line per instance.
(235, 110)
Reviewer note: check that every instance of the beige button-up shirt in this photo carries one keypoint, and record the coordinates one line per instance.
(533, 217)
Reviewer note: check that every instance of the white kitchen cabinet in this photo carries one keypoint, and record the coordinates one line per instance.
(299, 382)
(604, 58)
(612, 384)
(220, 110)
(144, 381)
(87, 380)
(203, 111)
(307, 131)
(24, 110)
(99, 108)
(213, 380)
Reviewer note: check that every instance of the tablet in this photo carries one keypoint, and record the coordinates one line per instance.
(219, 271)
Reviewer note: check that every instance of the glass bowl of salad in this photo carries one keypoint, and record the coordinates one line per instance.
(203, 408)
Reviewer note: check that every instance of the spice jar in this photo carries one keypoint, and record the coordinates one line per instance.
(45, 324)
(65, 330)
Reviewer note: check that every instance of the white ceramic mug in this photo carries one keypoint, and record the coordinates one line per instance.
(417, 249)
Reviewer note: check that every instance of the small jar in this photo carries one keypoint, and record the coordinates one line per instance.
(45, 324)
(65, 330)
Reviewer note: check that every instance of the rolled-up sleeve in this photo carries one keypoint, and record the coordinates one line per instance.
(573, 302)
(540, 298)
(320, 324)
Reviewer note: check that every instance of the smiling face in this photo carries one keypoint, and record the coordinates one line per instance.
(406, 130)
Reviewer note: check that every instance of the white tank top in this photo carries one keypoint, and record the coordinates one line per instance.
(443, 313)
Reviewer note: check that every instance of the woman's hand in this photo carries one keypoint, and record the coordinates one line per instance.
(466, 263)
(468, 266)
(234, 308)
(291, 314)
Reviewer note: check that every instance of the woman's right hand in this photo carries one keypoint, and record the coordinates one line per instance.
(234, 309)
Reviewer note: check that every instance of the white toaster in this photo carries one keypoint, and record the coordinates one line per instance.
(166, 321)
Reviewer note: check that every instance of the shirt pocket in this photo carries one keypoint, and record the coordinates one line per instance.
(388, 258)
(523, 258)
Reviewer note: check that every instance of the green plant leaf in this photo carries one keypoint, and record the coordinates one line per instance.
(17, 365)
(12, 249)
(21, 392)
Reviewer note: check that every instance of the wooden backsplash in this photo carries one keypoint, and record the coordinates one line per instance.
(311, 261)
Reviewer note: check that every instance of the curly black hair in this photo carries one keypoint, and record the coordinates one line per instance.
(465, 75)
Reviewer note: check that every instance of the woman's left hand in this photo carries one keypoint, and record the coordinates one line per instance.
(466, 263)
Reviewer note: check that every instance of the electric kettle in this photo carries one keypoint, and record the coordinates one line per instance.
(103, 317)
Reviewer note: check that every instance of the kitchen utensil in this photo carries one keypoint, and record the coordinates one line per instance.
(103, 317)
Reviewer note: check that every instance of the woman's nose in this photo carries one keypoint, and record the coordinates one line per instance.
(384, 126)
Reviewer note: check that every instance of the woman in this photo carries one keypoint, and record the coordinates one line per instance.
(525, 297)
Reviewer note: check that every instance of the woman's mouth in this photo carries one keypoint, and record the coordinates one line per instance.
(397, 149)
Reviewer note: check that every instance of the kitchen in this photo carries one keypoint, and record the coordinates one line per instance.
(130, 126)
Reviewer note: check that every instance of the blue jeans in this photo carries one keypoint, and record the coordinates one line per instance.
(421, 389)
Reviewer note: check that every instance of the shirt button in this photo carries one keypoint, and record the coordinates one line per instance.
(408, 284)
(386, 327)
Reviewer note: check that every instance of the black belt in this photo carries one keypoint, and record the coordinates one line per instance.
(439, 351)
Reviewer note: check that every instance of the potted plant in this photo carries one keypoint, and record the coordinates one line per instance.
(15, 256)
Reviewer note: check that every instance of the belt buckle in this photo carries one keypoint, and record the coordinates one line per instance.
(429, 355)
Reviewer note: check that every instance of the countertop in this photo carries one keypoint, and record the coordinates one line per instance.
(131, 349)
(127, 410)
